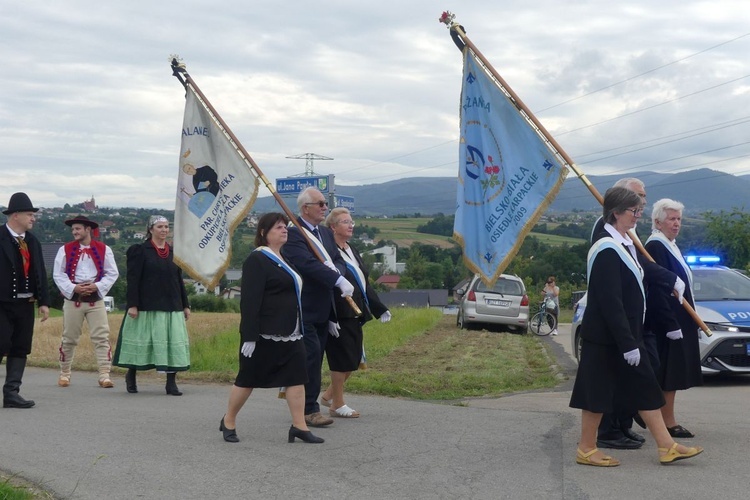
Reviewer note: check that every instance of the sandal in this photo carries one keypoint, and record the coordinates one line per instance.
(344, 412)
(325, 402)
(672, 455)
(679, 431)
(585, 459)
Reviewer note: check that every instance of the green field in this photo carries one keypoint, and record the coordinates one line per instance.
(404, 232)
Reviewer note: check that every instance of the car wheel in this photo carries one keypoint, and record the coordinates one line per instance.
(460, 320)
(578, 347)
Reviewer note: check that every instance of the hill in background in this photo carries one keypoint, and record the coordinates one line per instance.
(700, 190)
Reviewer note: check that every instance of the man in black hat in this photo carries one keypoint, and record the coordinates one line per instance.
(84, 272)
(23, 281)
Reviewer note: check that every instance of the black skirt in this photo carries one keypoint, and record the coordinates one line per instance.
(345, 351)
(605, 382)
(273, 364)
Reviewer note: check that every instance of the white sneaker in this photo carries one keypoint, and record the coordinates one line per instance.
(554, 332)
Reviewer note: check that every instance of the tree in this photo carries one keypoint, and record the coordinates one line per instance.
(729, 233)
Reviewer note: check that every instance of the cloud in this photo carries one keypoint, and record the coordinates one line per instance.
(90, 107)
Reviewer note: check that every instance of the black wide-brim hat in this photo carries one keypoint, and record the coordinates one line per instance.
(82, 219)
(19, 202)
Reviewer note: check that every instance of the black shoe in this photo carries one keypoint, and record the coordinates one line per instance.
(130, 381)
(622, 443)
(631, 434)
(171, 386)
(638, 420)
(679, 431)
(306, 436)
(14, 400)
(230, 435)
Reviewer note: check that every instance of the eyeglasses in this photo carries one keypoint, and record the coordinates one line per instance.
(321, 204)
(635, 211)
(346, 222)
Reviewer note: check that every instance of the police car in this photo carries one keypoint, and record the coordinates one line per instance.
(722, 301)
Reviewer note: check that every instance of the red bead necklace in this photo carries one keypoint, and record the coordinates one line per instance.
(161, 252)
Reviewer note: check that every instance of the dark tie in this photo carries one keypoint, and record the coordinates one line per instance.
(25, 256)
(316, 233)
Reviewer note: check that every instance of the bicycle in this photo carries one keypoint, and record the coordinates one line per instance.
(543, 322)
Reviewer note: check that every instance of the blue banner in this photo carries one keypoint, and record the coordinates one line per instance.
(507, 177)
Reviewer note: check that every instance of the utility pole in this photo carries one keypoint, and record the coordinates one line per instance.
(309, 158)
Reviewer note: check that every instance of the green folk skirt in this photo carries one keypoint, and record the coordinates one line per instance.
(154, 340)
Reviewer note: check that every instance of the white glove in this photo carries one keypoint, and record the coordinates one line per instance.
(347, 290)
(679, 287)
(329, 264)
(333, 329)
(633, 357)
(385, 317)
(675, 335)
(247, 349)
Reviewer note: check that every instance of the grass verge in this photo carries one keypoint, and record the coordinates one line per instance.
(420, 354)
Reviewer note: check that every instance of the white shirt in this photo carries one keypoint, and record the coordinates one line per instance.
(86, 272)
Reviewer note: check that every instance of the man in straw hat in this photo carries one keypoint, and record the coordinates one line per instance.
(84, 272)
(23, 281)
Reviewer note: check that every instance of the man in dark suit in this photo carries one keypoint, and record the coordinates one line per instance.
(615, 430)
(320, 281)
(23, 281)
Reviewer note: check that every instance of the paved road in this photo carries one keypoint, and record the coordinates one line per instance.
(85, 442)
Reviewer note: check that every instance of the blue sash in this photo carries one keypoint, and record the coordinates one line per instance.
(609, 242)
(295, 277)
(659, 236)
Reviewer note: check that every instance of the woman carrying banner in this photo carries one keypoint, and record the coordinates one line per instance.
(612, 338)
(344, 349)
(675, 331)
(153, 334)
(272, 353)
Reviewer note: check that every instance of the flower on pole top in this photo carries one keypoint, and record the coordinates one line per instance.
(447, 18)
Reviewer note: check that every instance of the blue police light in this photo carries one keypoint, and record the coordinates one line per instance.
(705, 260)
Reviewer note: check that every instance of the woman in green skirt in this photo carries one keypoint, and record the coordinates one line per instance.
(153, 334)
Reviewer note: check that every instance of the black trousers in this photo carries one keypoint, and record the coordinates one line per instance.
(16, 328)
(612, 424)
(314, 336)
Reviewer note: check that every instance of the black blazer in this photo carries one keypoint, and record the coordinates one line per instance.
(319, 281)
(664, 313)
(377, 308)
(614, 311)
(154, 284)
(268, 304)
(11, 275)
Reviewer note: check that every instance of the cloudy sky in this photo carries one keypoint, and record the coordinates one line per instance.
(88, 105)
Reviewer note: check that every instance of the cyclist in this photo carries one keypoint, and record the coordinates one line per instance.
(552, 291)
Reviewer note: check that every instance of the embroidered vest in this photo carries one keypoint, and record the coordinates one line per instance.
(73, 256)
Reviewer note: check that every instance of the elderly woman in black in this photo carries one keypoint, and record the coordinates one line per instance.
(272, 353)
(344, 349)
(153, 334)
(612, 349)
(675, 331)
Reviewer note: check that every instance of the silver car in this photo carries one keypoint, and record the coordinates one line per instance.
(722, 301)
(505, 304)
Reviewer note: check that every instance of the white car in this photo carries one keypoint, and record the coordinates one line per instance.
(722, 301)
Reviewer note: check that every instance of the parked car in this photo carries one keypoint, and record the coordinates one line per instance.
(505, 304)
(722, 301)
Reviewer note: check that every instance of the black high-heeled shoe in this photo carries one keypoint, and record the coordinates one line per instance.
(130, 381)
(230, 435)
(306, 436)
(171, 386)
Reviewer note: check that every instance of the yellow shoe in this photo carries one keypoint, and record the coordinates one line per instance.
(585, 459)
(63, 381)
(672, 455)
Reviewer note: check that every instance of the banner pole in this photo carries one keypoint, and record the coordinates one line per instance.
(448, 20)
(179, 71)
